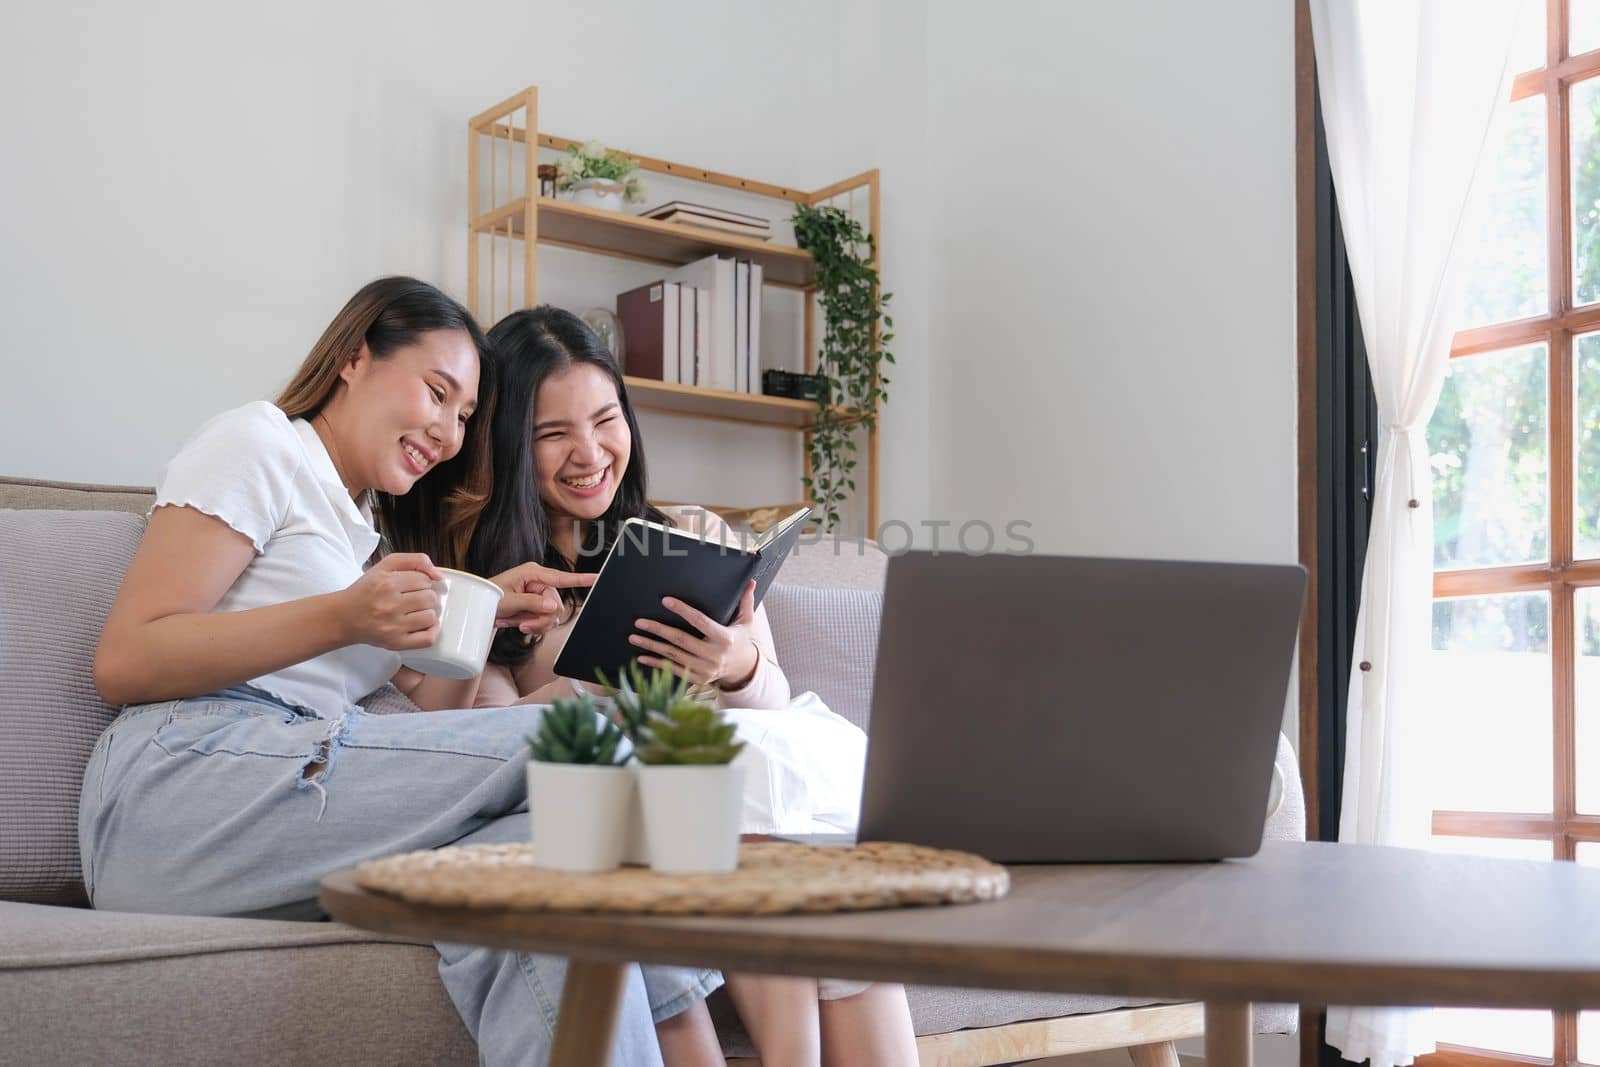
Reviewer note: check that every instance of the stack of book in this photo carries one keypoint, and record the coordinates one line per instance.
(712, 218)
(700, 325)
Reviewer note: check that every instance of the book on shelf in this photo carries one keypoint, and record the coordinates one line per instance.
(738, 229)
(714, 275)
(705, 330)
(650, 327)
(706, 334)
(676, 207)
(651, 324)
(741, 325)
(649, 561)
(747, 326)
(686, 331)
(752, 357)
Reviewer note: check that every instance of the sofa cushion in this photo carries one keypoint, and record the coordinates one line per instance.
(836, 563)
(34, 936)
(827, 642)
(58, 575)
(74, 496)
(96, 987)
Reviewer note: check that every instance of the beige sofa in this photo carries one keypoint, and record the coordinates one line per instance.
(81, 986)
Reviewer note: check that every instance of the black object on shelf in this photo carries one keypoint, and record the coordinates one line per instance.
(796, 386)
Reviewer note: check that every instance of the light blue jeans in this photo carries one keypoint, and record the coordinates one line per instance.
(216, 806)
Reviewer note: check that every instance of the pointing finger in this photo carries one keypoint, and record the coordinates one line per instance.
(565, 579)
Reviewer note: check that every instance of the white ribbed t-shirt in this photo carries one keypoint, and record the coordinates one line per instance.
(271, 479)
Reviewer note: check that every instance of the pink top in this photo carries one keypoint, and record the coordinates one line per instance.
(535, 681)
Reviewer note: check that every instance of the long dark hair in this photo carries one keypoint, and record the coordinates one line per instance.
(438, 515)
(526, 348)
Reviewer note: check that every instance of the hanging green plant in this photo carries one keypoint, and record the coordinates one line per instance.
(852, 351)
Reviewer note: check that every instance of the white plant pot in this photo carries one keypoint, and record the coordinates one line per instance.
(579, 814)
(634, 845)
(603, 193)
(691, 817)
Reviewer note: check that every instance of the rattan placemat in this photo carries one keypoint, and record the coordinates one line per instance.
(773, 878)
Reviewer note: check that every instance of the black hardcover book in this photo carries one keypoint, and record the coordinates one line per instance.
(649, 561)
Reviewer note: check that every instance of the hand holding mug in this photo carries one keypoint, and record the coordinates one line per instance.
(393, 605)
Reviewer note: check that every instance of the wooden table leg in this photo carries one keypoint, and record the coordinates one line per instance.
(1228, 1034)
(586, 1025)
(1162, 1055)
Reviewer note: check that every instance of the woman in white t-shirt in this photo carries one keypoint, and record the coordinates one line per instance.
(569, 470)
(253, 623)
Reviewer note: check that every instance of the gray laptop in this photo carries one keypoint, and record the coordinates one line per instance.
(1062, 709)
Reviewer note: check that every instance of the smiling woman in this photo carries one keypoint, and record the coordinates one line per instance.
(581, 452)
(408, 367)
(569, 471)
(252, 623)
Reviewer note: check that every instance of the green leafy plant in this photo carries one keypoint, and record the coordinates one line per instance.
(688, 733)
(591, 159)
(855, 335)
(639, 692)
(573, 731)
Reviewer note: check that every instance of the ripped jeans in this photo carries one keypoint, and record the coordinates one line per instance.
(237, 804)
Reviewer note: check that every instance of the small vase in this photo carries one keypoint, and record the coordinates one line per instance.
(603, 193)
(691, 816)
(579, 814)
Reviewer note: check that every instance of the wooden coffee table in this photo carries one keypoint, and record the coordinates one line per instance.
(1306, 923)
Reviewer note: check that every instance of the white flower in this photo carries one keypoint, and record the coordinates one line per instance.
(592, 149)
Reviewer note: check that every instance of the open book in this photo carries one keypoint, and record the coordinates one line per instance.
(649, 561)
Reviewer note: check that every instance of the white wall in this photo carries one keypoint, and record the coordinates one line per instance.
(1111, 326)
(1113, 273)
(1088, 208)
(193, 188)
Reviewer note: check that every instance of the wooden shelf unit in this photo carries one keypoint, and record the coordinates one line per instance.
(513, 217)
(653, 395)
(611, 233)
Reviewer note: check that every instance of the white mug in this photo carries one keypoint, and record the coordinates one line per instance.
(467, 606)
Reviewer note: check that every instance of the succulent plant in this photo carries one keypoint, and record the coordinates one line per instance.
(688, 732)
(640, 692)
(574, 731)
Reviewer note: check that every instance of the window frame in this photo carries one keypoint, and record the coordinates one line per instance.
(1322, 708)
(1561, 576)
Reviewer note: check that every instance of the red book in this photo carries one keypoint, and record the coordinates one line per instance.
(649, 317)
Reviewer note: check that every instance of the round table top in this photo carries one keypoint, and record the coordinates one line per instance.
(1312, 923)
(773, 878)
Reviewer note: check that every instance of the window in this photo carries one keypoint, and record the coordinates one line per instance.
(1515, 450)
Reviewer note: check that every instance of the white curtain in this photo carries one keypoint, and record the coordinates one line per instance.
(1409, 89)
